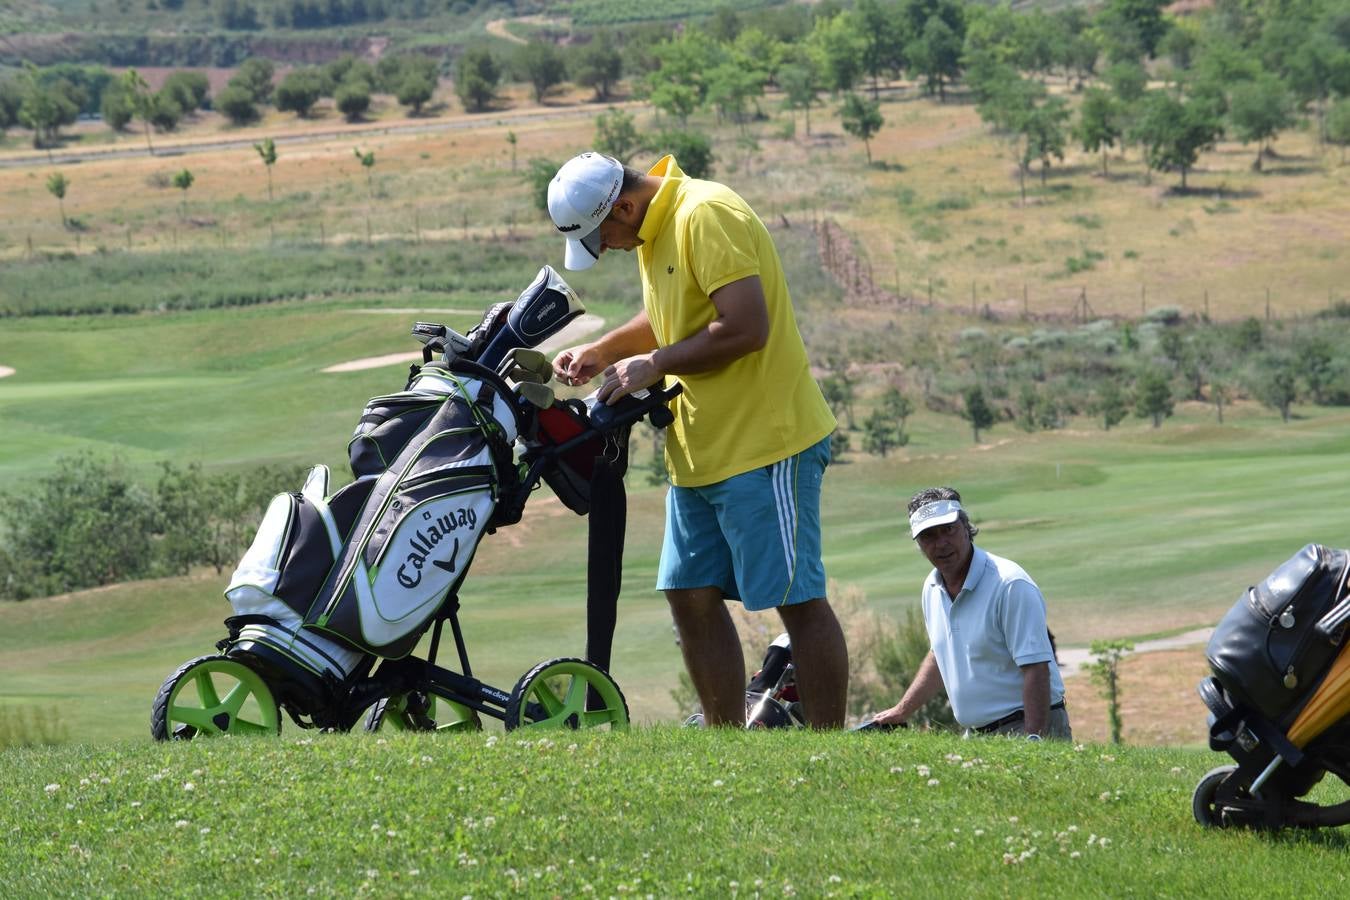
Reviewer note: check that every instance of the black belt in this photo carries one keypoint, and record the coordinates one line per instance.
(1014, 716)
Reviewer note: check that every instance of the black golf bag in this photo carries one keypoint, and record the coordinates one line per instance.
(771, 699)
(337, 589)
(1280, 674)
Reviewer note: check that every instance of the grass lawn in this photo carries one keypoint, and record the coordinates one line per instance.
(664, 812)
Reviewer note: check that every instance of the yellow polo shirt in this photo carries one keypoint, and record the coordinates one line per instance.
(699, 236)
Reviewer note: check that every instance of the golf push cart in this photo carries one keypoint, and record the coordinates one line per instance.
(1279, 698)
(338, 589)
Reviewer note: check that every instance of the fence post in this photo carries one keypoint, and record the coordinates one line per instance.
(1267, 304)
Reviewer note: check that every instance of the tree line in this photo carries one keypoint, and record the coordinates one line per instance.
(1107, 370)
(90, 522)
(46, 99)
(1243, 70)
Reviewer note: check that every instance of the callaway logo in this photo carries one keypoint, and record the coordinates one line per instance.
(425, 541)
(448, 565)
(566, 228)
(670, 270)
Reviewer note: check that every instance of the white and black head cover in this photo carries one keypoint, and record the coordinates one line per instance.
(579, 198)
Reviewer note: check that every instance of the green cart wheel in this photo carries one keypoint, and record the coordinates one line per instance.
(213, 695)
(553, 695)
(416, 711)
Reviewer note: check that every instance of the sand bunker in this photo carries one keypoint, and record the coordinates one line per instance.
(5, 370)
(575, 331)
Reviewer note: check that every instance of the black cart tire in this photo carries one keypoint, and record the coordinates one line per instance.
(1202, 801)
(416, 711)
(213, 695)
(553, 695)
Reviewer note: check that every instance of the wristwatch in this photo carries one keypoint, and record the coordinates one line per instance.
(1033, 736)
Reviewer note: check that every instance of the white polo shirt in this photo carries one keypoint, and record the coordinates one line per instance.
(995, 624)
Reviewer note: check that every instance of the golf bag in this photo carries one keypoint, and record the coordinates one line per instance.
(771, 699)
(329, 580)
(771, 695)
(337, 590)
(1279, 696)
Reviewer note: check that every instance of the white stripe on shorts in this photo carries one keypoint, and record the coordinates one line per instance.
(785, 501)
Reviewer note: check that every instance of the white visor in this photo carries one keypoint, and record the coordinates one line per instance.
(581, 253)
(939, 512)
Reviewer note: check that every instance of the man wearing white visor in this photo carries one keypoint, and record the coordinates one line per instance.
(991, 649)
(748, 448)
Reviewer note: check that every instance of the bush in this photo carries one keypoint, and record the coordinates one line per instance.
(236, 104)
(353, 99)
(693, 151)
(90, 524)
(255, 77)
(32, 726)
(189, 89)
(86, 524)
(299, 91)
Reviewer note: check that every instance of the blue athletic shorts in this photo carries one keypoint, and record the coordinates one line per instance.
(755, 535)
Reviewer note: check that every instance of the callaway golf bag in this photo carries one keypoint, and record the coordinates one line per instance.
(1279, 697)
(338, 588)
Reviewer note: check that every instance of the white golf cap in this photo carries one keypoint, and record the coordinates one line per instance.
(579, 198)
(939, 512)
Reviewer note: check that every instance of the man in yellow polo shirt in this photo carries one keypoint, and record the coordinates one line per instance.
(750, 442)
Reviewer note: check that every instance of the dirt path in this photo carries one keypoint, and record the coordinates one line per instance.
(575, 331)
(1071, 660)
(497, 27)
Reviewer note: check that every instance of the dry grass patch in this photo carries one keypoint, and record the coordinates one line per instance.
(1159, 705)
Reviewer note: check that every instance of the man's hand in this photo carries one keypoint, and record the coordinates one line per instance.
(626, 376)
(578, 365)
(890, 717)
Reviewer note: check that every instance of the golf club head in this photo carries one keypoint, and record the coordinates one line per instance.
(524, 364)
(536, 394)
(536, 362)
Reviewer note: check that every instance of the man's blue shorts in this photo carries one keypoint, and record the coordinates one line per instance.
(755, 535)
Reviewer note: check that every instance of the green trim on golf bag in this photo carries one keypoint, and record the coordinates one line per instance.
(416, 534)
